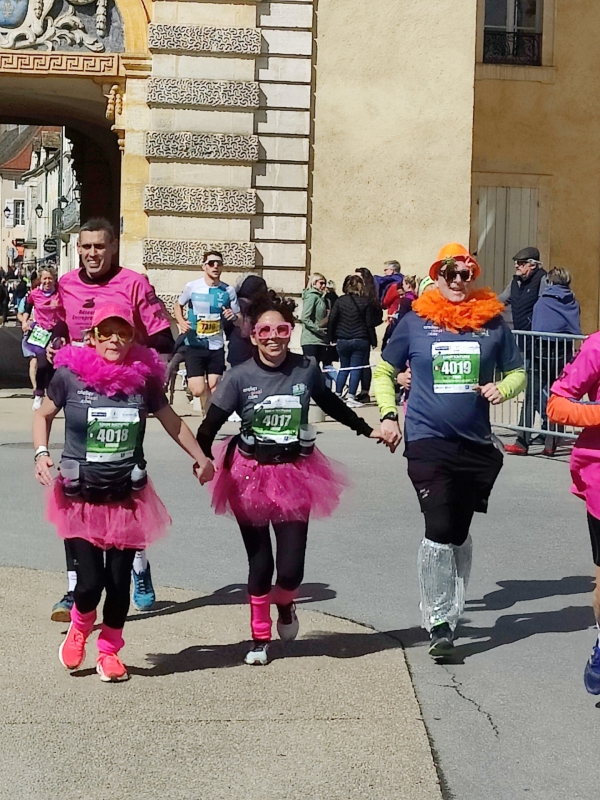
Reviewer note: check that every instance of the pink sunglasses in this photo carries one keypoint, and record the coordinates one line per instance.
(264, 331)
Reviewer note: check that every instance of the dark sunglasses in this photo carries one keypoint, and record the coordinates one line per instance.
(450, 273)
(214, 263)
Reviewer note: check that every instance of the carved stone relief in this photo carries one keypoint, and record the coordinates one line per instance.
(196, 200)
(214, 94)
(186, 253)
(79, 25)
(202, 39)
(185, 146)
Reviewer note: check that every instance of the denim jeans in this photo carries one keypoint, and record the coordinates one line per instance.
(353, 353)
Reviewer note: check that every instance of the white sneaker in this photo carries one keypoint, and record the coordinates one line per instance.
(287, 623)
(37, 402)
(259, 655)
(235, 417)
(352, 402)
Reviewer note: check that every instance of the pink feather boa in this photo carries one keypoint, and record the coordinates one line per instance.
(107, 378)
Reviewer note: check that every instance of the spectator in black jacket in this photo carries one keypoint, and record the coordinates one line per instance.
(352, 326)
(523, 291)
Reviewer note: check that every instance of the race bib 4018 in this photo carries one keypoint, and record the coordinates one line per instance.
(455, 366)
(112, 433)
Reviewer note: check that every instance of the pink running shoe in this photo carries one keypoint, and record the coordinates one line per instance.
(71, 653)
(110, 668)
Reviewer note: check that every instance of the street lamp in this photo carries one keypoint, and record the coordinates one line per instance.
(63, 202)
(77, 192)
(7, 212)
(39, 210)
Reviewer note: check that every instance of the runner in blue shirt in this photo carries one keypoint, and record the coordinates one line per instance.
(454, 341)
(209, 301)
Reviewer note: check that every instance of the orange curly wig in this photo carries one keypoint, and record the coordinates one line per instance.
(480, 307)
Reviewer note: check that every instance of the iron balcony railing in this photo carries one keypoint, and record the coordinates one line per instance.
(514, 47)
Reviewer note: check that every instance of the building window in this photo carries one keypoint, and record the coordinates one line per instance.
(513, 32)
(19, 212)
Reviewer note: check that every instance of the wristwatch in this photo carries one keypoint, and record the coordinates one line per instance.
(392, 415)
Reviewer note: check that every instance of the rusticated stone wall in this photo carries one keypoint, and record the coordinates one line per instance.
(228, 143)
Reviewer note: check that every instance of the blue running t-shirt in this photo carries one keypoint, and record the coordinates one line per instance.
(445, 367)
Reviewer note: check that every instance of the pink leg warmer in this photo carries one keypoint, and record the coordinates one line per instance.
(83, 622)
(283, 597)
(260, 617)
(110, 640)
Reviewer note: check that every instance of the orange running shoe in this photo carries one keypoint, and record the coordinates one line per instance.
(110, 668)
(71, 653)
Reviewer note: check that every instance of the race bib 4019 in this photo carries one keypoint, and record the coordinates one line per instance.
(455, 366)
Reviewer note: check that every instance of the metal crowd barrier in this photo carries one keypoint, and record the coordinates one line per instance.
(544, 357)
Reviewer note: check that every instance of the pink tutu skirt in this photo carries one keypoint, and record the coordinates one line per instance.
(256, 494)
(133, 523)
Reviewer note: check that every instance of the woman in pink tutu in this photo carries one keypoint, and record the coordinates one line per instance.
(103, 502)
(271, 473)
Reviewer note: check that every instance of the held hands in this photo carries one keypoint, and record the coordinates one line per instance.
(403, 379)
(491, 393)
(42, 470)
(388, 433)
(204, 472)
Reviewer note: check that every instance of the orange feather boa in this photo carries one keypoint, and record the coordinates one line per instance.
(472, 314)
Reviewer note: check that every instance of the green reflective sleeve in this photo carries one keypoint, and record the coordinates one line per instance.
(384, 387)
(512, 383)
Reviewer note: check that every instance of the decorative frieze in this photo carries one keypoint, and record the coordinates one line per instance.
(185, 146)
(204, 39)
(213, 94)
(198, 200)
(186, 253)
(59, 63)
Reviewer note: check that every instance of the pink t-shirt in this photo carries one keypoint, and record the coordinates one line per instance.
(48, 308)
(125, 286)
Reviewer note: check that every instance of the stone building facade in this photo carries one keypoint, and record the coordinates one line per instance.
(292, 135)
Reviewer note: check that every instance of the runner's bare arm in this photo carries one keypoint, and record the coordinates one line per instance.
(42, 424)
(182, 323)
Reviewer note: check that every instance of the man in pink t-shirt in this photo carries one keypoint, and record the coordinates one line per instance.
(99, 282)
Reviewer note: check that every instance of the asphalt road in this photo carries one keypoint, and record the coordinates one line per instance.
(511, 718)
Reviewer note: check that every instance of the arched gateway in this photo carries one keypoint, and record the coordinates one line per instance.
(210, 104)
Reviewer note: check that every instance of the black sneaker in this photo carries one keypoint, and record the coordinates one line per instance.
(442, 640)
(287, 623)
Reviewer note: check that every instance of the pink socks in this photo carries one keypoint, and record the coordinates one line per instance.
(110, 640)
(83, 622)
(283, 597)
(260, 617)
(260, 611)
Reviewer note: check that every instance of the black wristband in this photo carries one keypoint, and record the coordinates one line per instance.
(392, 415)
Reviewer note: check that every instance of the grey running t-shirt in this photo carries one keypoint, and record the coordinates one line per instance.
(105, 433)
(273, 403)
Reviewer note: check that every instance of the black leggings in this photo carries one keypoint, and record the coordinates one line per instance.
(453, 479)
(594, 527)
(94, 575)
(44, 373)
(291, 549)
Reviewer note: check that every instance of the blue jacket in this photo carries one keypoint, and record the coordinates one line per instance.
(556, 311)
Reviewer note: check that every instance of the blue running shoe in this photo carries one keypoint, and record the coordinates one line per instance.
(143, 591)
(591, 674)
(61, 611)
